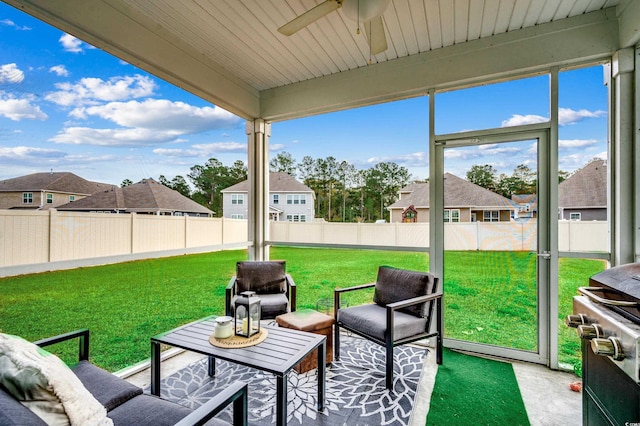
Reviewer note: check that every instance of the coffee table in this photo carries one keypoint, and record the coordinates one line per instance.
(278, 354)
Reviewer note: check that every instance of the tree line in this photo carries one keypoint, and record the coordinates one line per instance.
(342, 192)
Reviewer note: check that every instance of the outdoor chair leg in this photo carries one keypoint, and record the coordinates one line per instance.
(336, 342)
(389, 365)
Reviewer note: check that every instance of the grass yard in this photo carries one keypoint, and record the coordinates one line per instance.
(124, 304)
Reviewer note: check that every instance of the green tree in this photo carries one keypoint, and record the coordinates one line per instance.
(126, 182)
(211, 178)
(484, 176)
(283, 162)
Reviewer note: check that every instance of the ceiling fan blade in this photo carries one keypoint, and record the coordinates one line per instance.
(374, 29)
(309, 17)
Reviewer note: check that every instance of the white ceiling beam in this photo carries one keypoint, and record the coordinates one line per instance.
(628, 12)
(118, 29)
(592, 36)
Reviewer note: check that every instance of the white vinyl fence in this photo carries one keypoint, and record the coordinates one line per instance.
(59, 240)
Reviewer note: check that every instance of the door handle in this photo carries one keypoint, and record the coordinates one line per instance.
(544, 255)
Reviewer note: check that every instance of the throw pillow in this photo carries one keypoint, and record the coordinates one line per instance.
(46, 385)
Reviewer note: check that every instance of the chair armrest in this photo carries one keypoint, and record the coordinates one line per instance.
(228, 295)
(236, 393)
(413, 301)
(291, 287)
(83, 342)
(357, 287)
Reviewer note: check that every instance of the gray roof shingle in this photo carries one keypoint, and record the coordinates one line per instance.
(278, 182)
(146, 196)
(587, 187)
(65, 182)
(457, 193)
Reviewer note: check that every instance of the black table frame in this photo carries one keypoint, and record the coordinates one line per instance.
(278, 354)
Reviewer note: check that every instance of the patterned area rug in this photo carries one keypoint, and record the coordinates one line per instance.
(355, 391)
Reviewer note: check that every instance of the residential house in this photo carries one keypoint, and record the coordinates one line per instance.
(289, 199)
(464, 202)
(583, 195)
(42, 191)
(527, 205)
(144, 197)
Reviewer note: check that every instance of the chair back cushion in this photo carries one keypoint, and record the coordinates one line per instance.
(261, 276)
(395, 285)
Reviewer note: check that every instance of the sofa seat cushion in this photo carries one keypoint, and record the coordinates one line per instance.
(46, 385)
(13, 413)
(271, 305)
(107, 388)
(371, 320)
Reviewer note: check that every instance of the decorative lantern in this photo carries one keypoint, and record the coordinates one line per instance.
(247, 318)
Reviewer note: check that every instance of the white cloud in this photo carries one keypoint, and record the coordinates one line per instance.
(566, 116)
(113, 137)
(10, 23)
(59, 70)
(10, 73)
(70, 43)
(203, 150)
(519, 120)
(576, 143)
(28, 154)
(164, 115)
(17, 109)
(276, 147)
(92, 91)
(414, 159)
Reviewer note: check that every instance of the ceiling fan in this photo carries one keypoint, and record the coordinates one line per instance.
(367, 12)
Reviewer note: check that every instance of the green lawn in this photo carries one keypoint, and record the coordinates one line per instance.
(124, 304)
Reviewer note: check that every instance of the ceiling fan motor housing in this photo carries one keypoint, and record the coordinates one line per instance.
(364, 10)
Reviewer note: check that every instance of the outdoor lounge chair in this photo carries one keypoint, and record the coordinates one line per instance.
(401, 312)
(268, 278)
(125, 403)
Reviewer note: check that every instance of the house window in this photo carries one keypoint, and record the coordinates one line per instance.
(452, 215)
(297, 218)
(237, 216)
(575, 216)
(49, 198)
(27, 198)
(296, 199)
(491, 216)
(237, 199)
(276, 198)
(72, 198)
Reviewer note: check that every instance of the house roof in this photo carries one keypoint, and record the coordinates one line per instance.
(587, 187)
(278, 182)
(146, 196)
(457, 193)
(65, 182)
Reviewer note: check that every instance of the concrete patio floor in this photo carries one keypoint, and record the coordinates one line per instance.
(545, 392)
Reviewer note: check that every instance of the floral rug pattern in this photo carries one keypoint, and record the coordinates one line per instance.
(355, 391)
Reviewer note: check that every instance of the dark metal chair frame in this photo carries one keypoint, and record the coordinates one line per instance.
(389, 342)
(235, 393)
(230, 292)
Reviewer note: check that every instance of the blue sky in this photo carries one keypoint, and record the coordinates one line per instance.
(66, 106)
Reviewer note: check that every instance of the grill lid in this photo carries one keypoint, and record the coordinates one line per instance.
(624, 278)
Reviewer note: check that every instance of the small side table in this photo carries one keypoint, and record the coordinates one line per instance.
(312, 322)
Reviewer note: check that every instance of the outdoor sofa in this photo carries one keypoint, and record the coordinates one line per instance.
(125, 403)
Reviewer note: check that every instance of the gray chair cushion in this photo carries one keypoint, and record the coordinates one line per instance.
(394, 285)
(371, 320)
(13, 413)
(107, 388)
(148, 410)
(271, 305)
(261, 276)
